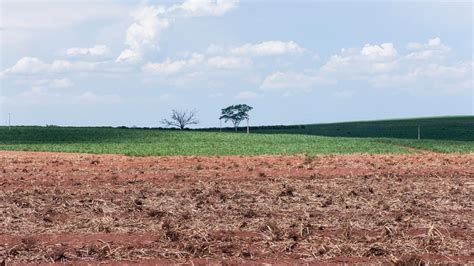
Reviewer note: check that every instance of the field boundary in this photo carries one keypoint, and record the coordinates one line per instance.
(410, 148)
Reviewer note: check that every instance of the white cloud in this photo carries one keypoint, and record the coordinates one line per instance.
(246, 95)
(27, 65)
(199, 8)
(424, 51)
(30, 66)
(129, 55)
(377, 52)
(61, 83)
(96, 50)
(268, 48)
(149, 21)
(60, 66)
(294, 81)
(369, 60)
(421, 70)
(144, 32)
(228, 62)
(169, 67)
(429, 78)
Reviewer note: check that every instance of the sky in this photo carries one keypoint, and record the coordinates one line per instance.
(114, 63)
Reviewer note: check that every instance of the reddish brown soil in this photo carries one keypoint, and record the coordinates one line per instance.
(85, 208)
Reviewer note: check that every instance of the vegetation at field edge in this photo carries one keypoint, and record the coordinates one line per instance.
(142, 142)
(443, 134)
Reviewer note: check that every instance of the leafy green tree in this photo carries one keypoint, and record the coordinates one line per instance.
(236, 114)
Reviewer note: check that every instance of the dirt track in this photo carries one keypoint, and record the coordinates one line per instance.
(344, 208)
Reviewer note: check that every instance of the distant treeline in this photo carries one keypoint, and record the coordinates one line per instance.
(442, 128)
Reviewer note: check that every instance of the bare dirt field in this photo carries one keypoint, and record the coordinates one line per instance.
(82, 208)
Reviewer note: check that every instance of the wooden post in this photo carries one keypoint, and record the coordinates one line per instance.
(220, 125)
(418, 132)
(9, 121)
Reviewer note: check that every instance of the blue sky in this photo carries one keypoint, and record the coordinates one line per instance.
(129, 63)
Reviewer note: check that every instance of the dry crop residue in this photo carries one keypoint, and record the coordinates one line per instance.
(57, 207)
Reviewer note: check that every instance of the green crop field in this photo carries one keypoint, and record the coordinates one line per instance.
(437, 128)
(143, 142)
(451, 135)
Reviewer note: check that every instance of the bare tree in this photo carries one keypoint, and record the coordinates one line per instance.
(181, 119)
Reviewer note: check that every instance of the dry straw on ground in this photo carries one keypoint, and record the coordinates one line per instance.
(353, 208)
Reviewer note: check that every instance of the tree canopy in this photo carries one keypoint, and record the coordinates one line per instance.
(236, 114)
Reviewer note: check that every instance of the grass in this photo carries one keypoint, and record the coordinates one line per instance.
(446, 135)
(442, 146)
(143, 142)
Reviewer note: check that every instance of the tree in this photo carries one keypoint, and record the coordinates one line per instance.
(236, 114)
(181, 119)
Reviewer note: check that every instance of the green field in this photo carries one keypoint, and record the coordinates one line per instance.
(437, 128)
(451, 135)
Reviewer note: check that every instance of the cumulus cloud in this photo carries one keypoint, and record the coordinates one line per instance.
(423, 51)
(144, 32)
(376, 52)
(429, 78)
(129, 55)
(420, 70)
(246, 95)
(169, 67)
(293, 81)
(96, 50)
(381, 66)
(268, 48)
(26, 65)
(199, 8)
(366, 61)
(149, 22)
(228, 62)
(33, 65)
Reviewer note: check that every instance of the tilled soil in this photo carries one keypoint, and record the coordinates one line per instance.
(82, 208)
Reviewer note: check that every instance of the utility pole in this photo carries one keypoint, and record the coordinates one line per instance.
(220, 125)
(9, 121)
(418, 132)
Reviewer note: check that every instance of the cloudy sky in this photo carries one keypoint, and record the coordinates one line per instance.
(131, 62)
